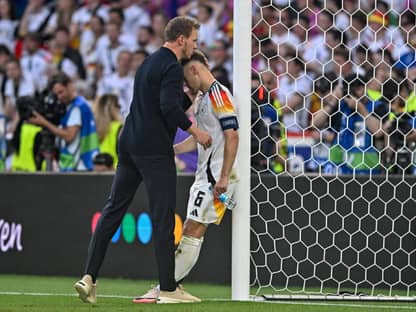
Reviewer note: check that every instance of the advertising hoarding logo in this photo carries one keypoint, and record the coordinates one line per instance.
(141, 228)
(10, 236)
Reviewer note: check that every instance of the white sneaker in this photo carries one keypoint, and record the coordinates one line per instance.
(179, 295)
(150, 297)
(86, 289)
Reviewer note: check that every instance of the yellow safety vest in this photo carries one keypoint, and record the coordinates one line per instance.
(109, 143)
(411, 103)
(25, 161)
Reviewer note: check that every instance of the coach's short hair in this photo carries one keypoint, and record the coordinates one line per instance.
(196, 56)
(181, 25)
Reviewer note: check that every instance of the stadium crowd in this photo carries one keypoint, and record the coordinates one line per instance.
(339, 77)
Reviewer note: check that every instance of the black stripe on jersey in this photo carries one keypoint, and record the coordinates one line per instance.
(210, 177)
(230, 122)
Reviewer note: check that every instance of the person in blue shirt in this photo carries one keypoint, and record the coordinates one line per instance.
(360, 123)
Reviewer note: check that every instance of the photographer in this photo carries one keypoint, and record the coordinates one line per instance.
(400, 130)
(360, 126)
(26, 139)
(77, 133)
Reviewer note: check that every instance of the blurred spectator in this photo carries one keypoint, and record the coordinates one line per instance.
(88, 46)
(159, 21)
(35, 61)
(219, 56)
(4, 58)
(82, 16)
(147, 40)
(268, 141)
(137, 60)
(320, 52)
(120, 83)
(379, 35)
(35, 18)
(116, 16)
(360, 124)
(17, 85)
(280, 33)
(108, 121)
(109, 47)
(8, 24)
(103, 162)
(354, 33)
(326, 155)
(400, 129)
(134, 17)
(221, 74)
(77, 133)
(295, 88)
(62, 16)
(64, 55)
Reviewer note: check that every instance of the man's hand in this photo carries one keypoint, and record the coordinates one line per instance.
(202, 137)
(221, 186)
(37, 119)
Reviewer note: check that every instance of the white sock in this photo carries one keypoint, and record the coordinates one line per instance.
(186, 255)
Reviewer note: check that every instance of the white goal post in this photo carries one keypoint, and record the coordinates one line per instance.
(240, 254)
(305, 227)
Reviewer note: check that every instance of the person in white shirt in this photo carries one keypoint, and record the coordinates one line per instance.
(319, 52)
(134, 17)
(35, 61)
(379, 35)
(88, 45)
(208, 15)
(107, 51)
(5, 56)
(7, 24)
(116, 15)
(146, 40)
(120, 83)
(295, 88)
(16, 85)
(62, 16)
(35, 17)
(81, 18)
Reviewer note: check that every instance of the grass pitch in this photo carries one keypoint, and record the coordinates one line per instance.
(44, 294)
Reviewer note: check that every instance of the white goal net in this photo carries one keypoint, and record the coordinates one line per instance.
(333, 211)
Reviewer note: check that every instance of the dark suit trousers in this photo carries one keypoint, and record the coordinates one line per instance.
(159, 176)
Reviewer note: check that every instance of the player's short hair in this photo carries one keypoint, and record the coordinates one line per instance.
(197, 56)
(180, 25)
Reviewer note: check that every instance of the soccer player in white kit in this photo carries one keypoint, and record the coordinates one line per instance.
(215, 113)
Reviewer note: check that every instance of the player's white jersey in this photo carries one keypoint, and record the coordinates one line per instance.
(214, 112)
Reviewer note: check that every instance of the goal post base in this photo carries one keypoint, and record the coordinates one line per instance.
(338, 298)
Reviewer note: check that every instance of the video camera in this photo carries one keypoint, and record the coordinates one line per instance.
(51, 109)
(46, 104)
(401, 126)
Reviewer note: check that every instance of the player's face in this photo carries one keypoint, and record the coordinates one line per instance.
(190, 44)
(191, 78)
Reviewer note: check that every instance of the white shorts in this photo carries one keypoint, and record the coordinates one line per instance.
(202, 207)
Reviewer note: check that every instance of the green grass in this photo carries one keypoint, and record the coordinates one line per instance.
(46, 294)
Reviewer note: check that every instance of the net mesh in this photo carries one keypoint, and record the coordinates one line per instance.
(333, 134)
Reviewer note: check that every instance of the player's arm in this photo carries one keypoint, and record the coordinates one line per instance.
(187, 145)
(231, 140)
